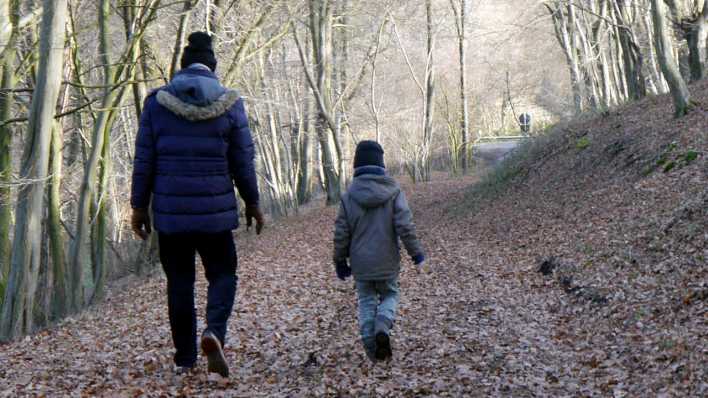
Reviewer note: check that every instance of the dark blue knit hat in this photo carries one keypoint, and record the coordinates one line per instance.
(199, 51)
(368, 153)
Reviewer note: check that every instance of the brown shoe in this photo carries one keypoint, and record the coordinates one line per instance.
(211, 347)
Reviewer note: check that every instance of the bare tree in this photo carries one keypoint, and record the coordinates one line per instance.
(429, 92)
(10, 13)
(181, 35)
(459, 8)
(564, 36)
(696, 32)
(18, 305)
(419, 154)
(375, 108)
(58, 296)
(678, 87)
(87, 252)
(320, 81)
(604, 46)
(624, 15)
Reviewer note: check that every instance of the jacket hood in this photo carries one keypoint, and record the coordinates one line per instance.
(371, 190)
(196, 94)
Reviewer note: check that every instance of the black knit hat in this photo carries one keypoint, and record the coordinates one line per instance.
(199, 50)
(368, 153)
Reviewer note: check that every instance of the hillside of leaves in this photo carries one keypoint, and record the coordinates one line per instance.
(612, 209)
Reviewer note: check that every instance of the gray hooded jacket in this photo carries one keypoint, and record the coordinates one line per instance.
(373, 215)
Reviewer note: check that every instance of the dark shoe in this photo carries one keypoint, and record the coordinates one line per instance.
(211, 347)
(371, 354)
(383, 346)
(369, 345)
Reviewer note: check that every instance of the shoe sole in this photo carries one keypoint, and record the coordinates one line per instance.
(215, 356)
(383, 347)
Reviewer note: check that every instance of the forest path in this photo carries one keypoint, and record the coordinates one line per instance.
(477, 325)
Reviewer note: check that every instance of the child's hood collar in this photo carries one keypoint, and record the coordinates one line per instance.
(375, 170)
(373, 190)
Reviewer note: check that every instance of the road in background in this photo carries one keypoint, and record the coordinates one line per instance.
(490, 154)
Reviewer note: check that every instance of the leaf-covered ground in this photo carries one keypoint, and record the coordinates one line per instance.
(472, 326)
(623, 312)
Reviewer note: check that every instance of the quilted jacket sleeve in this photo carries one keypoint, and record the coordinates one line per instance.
(241, 155)
(342, 235)
(144, 161)
(405, 228)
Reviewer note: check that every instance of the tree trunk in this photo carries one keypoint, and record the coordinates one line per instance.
(465, 152)
(273, 141)
(139, 88)
(320, 25)
(59, 302)
(304, 187)
(7, 84)
(429, 94)
(618, 57)
(214, 17)
(599, 30)
(563, 37)
(18, 306)
(632, 56)
(86, 248)
(327, 126)
(102, 208)
(374, 107)
(681, 21)
(570, 28)
(78, 146)
(304, 179)
(664, 49)
(7, 24)
(181, 36)
(585, 56)
(697, 41)
(461, 25)
(81, 253)
(341, 77)
(657, 76)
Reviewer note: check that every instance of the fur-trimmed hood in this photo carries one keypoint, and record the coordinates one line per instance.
(195, 94)
(195, 113)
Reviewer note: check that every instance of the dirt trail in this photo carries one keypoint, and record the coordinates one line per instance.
(476, 325)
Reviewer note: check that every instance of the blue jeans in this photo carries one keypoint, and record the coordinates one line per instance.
(377, 309)
(177, 254)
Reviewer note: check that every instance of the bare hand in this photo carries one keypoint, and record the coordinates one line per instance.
(253, 211)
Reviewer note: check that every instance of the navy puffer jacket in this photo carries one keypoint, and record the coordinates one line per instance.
(193, 145)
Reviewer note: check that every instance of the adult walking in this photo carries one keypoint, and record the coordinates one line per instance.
(193, 145)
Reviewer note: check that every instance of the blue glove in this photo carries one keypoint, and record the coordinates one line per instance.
(343, 270)
(418, 259)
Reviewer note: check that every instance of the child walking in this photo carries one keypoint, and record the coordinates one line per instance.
(373, 215)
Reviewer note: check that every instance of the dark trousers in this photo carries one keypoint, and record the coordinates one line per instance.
(177, 254)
